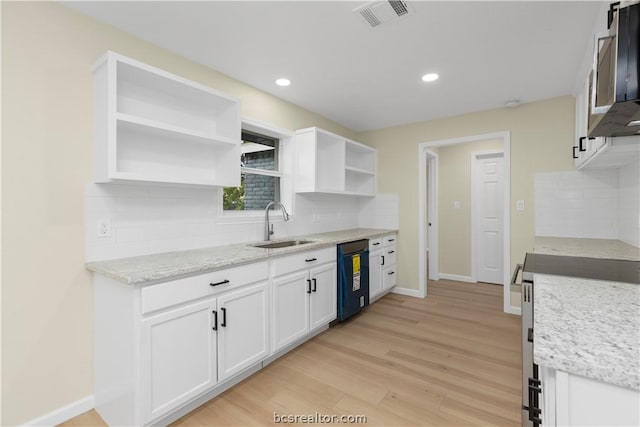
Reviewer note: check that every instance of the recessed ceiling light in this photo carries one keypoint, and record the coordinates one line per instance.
(283, 82)
(430, 77)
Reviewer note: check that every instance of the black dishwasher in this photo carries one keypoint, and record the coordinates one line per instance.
(353, 278)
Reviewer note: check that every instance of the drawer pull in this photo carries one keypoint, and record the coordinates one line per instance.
(392, 252)
(391, 240)
(391, 272)
(376, 243)
(224, 282)
(311, 259)
(224, 317)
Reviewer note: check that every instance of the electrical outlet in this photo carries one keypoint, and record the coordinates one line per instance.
(520, 205)
(104, 228)
(456, 204)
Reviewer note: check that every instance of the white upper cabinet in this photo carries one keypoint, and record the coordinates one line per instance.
(330, 163)
(151, 125)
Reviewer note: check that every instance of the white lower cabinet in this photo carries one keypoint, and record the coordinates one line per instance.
(159, 348)
(303, 299)
(290, 308)
(179, 357)
(188, 350)
(243, 333)
(323, 296)
(162, 349)
(382, 265)
(574, 400)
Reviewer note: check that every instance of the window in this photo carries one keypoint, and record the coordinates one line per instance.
(260, 174)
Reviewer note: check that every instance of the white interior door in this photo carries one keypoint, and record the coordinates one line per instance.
(487, 192)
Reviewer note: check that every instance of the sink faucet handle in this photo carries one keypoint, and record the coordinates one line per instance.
(271, 229)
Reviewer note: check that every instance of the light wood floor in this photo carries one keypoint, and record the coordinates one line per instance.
(452, 359)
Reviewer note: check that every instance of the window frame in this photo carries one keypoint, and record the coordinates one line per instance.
(284, 172)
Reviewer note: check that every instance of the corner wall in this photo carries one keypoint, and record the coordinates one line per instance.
(542, 135)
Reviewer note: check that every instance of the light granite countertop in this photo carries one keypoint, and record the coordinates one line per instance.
(588, 327)
(170, 265)
(589, 248)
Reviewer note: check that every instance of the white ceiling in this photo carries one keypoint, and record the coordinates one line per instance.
(485, 52)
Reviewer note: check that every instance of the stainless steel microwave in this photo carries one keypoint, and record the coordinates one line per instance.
(614, 101)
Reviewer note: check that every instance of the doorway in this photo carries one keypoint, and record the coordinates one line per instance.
(487, 175)
(426, 151)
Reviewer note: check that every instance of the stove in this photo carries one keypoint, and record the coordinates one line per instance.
(614, 270)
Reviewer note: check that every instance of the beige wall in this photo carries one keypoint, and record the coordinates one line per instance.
(454, 184)
(47, 107)
(541, 140)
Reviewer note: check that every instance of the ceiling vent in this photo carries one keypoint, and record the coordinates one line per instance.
(376, 13)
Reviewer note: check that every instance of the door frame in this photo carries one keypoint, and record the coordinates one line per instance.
(474, 206)
(432, 214)
(506, 224)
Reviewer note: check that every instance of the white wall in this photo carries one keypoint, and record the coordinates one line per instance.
(597, 204)
(629, 204)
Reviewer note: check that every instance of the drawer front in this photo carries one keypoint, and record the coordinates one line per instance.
(167, 294)
(389, 255)
(389, 240)
(302, 260)
(375, 243)
(389, 277)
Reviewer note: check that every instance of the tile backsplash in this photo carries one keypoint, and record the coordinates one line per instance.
(148, 219)
(599, 204)
(629, 204)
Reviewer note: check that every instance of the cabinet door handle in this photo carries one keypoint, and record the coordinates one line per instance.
(376, 243)
(311, 259)
(534, 410)
(224, 317)
(215, 320)
(575, 156)
(382, 260)
(314, 284)
(392, 252)
(530, 335)
(224, 282)
(391, 272)
(580, 142)
(308, 286)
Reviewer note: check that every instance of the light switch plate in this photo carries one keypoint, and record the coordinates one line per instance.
(456, 204)
(520, 205)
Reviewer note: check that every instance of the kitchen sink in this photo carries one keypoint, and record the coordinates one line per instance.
(283, 244)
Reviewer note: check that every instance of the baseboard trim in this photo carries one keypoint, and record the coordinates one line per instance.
(408, 292)
(63, 414)
(457, 278)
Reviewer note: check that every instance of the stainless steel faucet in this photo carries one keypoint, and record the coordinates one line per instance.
(268, 230)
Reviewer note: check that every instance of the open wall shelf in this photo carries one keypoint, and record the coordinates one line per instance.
(330, 163)
(151, 125)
